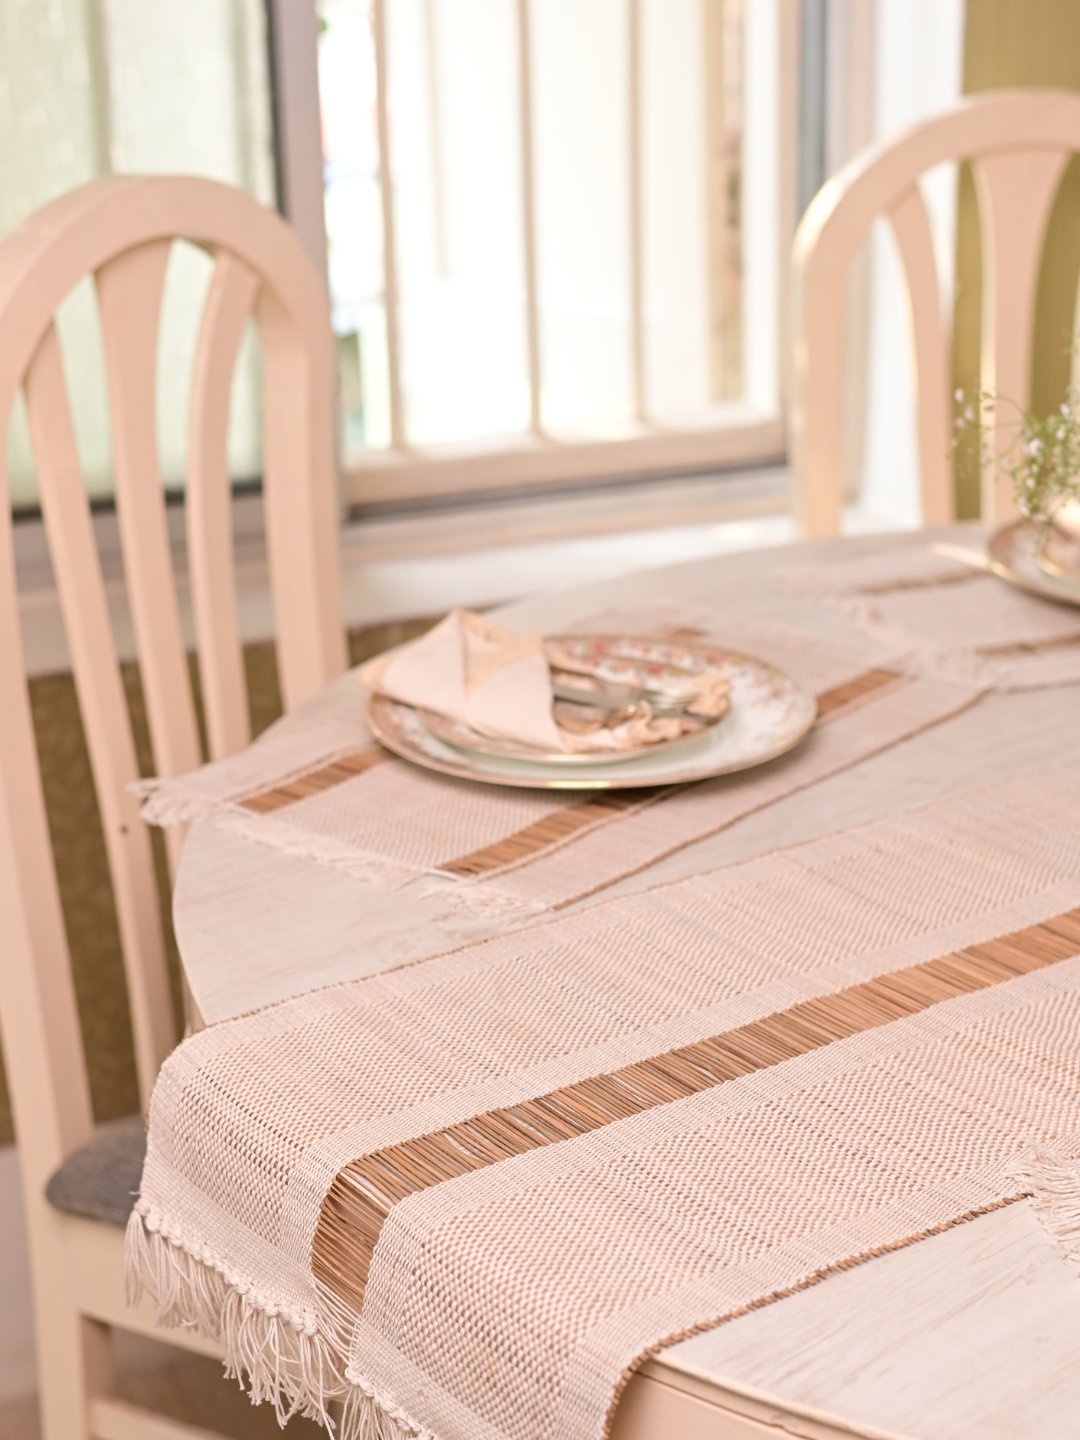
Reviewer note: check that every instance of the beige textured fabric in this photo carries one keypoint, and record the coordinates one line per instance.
(948, 618)
(890, 1015)
(342, 801)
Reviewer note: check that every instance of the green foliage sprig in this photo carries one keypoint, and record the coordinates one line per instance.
(1040, 455)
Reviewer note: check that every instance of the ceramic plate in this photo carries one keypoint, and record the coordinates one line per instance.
(664, 665)
(769, 715)
(1012, 556)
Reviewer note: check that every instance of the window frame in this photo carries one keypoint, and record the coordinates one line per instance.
(753, 432)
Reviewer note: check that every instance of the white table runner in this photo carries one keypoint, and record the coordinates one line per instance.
(470, 1195)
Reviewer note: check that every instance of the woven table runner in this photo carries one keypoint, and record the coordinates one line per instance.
(328, 792)
(950, 618)
(468, 1196)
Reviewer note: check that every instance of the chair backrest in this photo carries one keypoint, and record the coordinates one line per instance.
(121, 232)
(1018, 144)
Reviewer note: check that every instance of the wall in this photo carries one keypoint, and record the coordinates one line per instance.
(1012, 44)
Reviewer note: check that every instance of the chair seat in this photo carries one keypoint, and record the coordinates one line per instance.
(101, 1179)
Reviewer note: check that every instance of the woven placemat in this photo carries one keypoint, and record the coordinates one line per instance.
(327, 792)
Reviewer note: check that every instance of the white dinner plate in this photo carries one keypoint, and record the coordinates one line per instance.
(1012, 556)
(632, 662)
(769, 714)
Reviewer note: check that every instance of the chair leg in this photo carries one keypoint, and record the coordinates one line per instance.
(74, 1367)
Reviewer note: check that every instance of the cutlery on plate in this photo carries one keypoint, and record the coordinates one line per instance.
(616, 697)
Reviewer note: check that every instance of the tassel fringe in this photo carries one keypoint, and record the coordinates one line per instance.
(291, 839)
(1054, 1184)
(178, 799)
(168, 802)
(297, 1367)
(365, 1417)
(479, 898)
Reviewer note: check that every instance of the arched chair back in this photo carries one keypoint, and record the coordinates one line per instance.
(1018, 144)
(120, 232)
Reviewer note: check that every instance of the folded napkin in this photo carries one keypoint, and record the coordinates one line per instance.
(498, 681)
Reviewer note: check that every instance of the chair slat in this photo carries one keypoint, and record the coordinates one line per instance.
(229, 304)
(300, 499)
(41, 1033)
(102, 704)
(930, 352)
(1016, 190)
(120, 230)
(129, 294)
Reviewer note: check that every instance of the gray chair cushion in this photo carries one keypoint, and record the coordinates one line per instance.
(101, 1180)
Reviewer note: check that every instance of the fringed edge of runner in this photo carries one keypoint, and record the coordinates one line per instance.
(291, 839)
(167, 802)
(955, 664)
(480, 898)
(1055, 1197)
(297, 1365)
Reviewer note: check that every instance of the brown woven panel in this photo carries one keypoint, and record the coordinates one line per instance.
(365, 1191)
(531, 839)
(1031, 647)
(843, 697)
(344, 768)
(918, 582)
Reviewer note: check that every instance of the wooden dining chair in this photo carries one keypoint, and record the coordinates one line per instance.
(1018, 144)
(120, 232)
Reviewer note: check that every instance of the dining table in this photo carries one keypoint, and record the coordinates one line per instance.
(970, 1334)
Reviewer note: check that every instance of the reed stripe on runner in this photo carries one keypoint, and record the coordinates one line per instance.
(1029, 647)
(530, 841)
(315, 781)
(918, 582)
(366, 1190)
(841, 698)
(556, 827)
(543, 833)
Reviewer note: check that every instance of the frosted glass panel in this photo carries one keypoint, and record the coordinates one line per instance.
(624, 149)
(89, 87)
(583, 209)
(49, 120)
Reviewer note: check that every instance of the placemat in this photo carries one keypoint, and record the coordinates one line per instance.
(468, 1196)
(326, 791)
(948, 617)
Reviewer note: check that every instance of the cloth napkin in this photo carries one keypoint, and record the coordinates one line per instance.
(498, 681)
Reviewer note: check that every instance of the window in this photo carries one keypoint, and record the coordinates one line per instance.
(119, 85)
(555, 231)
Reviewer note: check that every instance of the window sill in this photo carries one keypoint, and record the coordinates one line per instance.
(415, 563)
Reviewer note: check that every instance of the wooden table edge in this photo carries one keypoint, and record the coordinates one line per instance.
(669, 1400)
